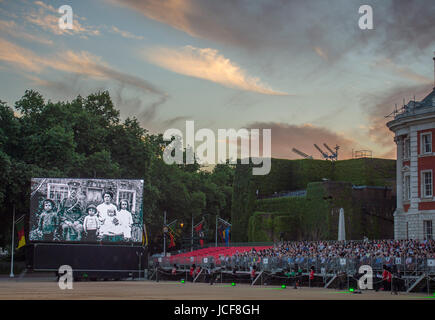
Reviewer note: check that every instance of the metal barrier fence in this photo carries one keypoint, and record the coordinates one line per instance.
(407, 266)
(415, 273)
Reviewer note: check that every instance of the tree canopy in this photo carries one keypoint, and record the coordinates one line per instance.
(86, 138)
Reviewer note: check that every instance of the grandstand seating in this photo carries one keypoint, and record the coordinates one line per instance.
(215, 252)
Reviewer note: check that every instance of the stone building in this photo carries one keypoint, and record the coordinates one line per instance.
(414, 129)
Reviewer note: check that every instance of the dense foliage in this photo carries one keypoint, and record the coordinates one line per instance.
(293, 218)
(85, 138)
(243, 202)
(296, 174)
(315, 216)
(308, 216)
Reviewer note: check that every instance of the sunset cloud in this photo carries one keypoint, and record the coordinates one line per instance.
(46, 6)
(379, 106)
(20, 57)
(10, 28)
(321, 53)
(263, 25)
(342, 81)
(174, 12)
(402, 71)
(208, 64)
(303, 137)
(80, 63)
(125, 34)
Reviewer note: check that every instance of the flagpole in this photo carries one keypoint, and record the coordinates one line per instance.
(11, 275)
(216, 229)
(164, 235)
(191, 241)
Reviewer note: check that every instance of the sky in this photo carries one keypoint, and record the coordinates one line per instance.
(303, 69)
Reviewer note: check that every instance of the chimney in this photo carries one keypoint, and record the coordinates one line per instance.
(434, 70)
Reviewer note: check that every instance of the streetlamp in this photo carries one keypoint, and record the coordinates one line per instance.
(139, 254)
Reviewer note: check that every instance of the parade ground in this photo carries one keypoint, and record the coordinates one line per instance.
(36, 289)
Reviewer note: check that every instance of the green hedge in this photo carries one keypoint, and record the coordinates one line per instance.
(292, 175)
(308, 218)
(258, 230)
(243, 202)
(368, 172)
(311, 217)
(287, 204)
(296, 174)
(266, 227)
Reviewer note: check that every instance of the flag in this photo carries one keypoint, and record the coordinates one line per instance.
(198, 229)
(201, 238)
(172, 244)
(172, 236)
(224, 230)
(144, 235)
(227, 235)
(20, 231)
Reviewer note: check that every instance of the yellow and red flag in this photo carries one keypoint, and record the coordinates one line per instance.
(144, 236)
(20, 231)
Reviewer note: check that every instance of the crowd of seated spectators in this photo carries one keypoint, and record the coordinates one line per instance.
(381, 251)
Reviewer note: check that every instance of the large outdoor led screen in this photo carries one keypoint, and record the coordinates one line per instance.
(86, 210)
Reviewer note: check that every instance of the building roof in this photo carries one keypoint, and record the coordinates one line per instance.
(417, 107)
(370, 187)
(429, 100)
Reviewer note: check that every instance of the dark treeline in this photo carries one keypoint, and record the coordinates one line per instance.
(85, 138)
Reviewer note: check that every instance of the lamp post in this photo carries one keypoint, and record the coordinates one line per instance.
(139, 254)
(191, 237)
(11, 275)
(165, 229)
(208, 215)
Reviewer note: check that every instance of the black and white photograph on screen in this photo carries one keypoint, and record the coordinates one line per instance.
(86, 210)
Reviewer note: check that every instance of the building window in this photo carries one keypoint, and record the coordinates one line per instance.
(406, 149)
(407, 231)
(95, 195)
(407, 189)
(130, 196)
(426, 143)
(426, 179)
(427, 225)
(57, 191)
